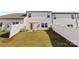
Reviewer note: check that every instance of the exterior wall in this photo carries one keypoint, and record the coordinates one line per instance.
(77, 18)
(64, 19)
(39, 17)
(71, 34)
(8, 22)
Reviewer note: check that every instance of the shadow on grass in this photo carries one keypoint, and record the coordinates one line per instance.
(5, 35)
(57, 40)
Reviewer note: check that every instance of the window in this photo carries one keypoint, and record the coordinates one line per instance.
(15, 22)
(54, 17)
(48, 16)
(72, 16)
(8, 26)
(70, 25)
(44, 25)
(78, 17)
(0, 24)
(29, 15)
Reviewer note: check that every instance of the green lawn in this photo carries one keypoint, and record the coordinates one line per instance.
(29, 39)
(35, 39)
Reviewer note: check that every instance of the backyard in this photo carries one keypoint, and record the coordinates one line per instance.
(29, 39)
(39, 38)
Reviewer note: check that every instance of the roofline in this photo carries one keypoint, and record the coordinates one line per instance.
(38, 11)
(65, 12)
(11, 18)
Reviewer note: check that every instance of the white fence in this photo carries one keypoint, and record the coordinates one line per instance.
(72, 34)
(15, 29)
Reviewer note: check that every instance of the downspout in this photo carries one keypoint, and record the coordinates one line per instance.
(76, 21)
(51, 19)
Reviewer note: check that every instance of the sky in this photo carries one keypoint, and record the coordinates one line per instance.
(9, 6)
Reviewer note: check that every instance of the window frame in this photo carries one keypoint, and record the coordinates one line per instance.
(29, 15)
(72, 16)
(1, 24)
(54, 17)
(44, 25)
(69, 25)
(17, 22)
(13, 23)
(48, 16)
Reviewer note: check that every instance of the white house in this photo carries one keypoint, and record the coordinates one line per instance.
(7, 20)
(68, 19)
(37, 20)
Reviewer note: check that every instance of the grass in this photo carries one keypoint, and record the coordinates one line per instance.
(35, 39)
(29, 39)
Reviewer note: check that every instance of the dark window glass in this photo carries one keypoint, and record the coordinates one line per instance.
(17, 22)
(48, 16)
(46, 25)
(42, 25)
(0, 24)
(54, 17)
(72, 16)
(14, 23)
(71, 25)
(29, 15)
(68, 25)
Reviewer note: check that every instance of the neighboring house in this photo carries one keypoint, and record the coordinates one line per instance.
(7, 20)
(68, 19)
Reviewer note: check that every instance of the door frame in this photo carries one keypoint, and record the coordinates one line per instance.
(31, 26)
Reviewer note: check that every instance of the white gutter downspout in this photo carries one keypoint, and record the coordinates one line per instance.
(76, 21)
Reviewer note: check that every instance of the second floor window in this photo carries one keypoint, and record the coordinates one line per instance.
(69, 25)
(48, 16)
(54, 17)
(72, 16)
(0, 24)
(29, 15)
